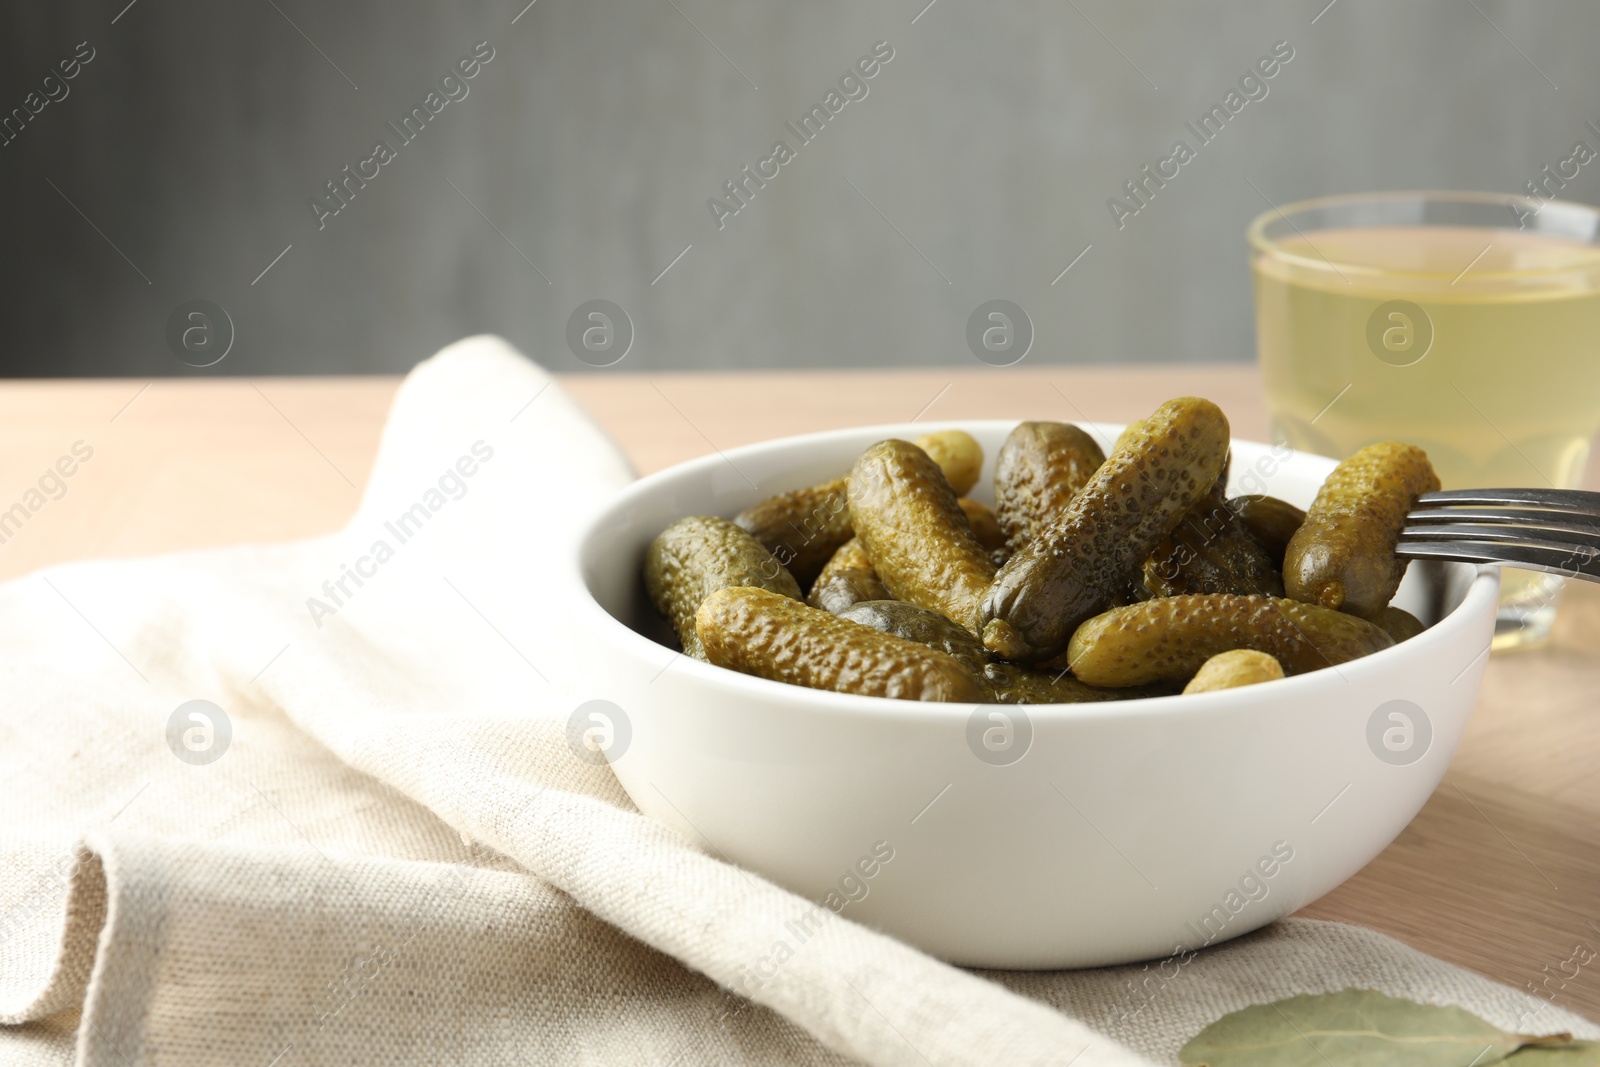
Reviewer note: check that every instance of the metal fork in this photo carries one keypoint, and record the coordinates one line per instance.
(1554, 530)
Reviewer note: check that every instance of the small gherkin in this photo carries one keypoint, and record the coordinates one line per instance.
(762, 633)
(1160, 468)
(696, 556)
(1170, 638)
(1343, 555)
(912, 526)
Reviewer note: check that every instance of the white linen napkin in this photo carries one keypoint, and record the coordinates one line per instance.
(374, 845)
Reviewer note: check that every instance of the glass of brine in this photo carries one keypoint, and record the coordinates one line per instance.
(1465, 323)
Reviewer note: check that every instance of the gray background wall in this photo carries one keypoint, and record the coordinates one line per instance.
(981, 162)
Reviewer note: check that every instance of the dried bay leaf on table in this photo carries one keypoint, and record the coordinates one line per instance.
(1358, 1027)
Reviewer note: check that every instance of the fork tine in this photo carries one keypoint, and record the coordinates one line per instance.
(1553, 530)
(1567, 501)
(1570, 561)
(1514, 517)
(1568, 534)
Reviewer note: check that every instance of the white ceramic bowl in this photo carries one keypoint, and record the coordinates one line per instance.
(1086, 835)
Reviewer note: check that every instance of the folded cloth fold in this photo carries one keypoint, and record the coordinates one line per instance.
(375, 845)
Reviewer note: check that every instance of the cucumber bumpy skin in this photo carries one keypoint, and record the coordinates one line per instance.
(805, 527)
(1007, 683)
(1037, 472)
(1160, 469)
(1169, 639)
(918, 538)
(925, 627)
(1343, 555)
(1272, 522)
(768, 635)
(1210, 551)
(696, 556)
(849, 578)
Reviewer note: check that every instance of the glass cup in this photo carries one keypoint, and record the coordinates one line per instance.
(1465, 323)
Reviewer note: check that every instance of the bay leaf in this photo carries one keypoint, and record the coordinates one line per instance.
(1356, 1027)
(1568, 1054)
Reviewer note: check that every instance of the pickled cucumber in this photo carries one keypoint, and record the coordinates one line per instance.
(696, 556)
(1128, 433)
(984, 525)
(1272, 522)
(1398, 623)
(1131, 590)
(1232, 669)
(1170, 638)
(906, 515)
(958, 454)
(1343, 555)
(921, 625)
(1093, 578)
(848, 578)
(1210, 551)
(803, 529)
(1012, 683)
(1070, 570)
(1006, 683)
(765, 634)
(1041, 466)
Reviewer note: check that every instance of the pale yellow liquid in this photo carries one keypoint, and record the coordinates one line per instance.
(1508, 394)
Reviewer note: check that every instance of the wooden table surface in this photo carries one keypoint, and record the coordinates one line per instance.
(1500, 872)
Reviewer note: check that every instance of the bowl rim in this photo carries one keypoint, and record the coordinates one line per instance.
(1481, 598)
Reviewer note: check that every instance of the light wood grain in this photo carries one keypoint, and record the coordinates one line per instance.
(1500, 872)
